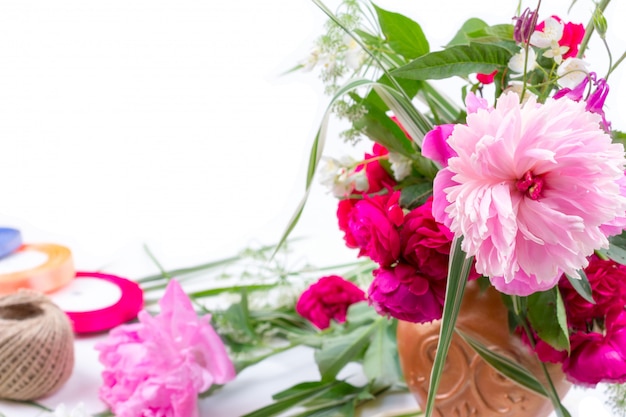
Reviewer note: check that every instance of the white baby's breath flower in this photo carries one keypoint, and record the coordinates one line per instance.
(516, 63)
(552, 32)
(62, 411)
(312, 60)
(400, 165)
(572, 71)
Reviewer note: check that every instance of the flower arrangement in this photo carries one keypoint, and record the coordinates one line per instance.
(522, 188)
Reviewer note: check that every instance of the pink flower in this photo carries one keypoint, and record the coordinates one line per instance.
(374, 223)
(426, 243)
(435, 145)
(328, 299)
(405, 293)
(530, 189)
(595, 357)
(157, 367)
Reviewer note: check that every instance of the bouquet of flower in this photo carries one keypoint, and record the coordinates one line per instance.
(524, 186)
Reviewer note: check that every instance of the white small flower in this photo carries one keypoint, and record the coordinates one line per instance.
(516, 63)
(78, 411)
(400, 165)
(572, 72)
(552, 32)
(312, 60)
(338, 176)
(556, 52)
(354, 55)
(360, 181)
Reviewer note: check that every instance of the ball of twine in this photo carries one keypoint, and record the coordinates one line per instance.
(36, 346)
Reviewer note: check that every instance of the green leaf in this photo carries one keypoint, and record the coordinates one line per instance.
(582, 286)
(293, 397)
(503, 32)
(414, 122)
(337, 352)
(546, 313)
(459, 268)
(471, 25)
(380, 362)
(459, 60)
(404, 35)
(415, 195)
(381, 129)
(505, 365)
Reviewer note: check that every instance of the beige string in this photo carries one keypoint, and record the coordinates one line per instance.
(36, 346)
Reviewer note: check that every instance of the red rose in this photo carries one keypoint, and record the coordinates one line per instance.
(374, 223)
(426, 243)
(608, 285)
(328, 299)
(406, 294)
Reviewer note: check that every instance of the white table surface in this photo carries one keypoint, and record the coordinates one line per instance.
(168, 123)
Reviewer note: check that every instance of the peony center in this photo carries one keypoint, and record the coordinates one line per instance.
(531, 185)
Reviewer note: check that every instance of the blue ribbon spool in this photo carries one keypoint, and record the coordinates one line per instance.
(10, 241)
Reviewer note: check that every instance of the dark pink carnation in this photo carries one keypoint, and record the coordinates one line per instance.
(328, 299)
(374, 223)
(595, 357)
(608, 284)
(405, 293)
(426, 243)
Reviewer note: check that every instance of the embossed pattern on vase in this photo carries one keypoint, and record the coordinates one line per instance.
(469, 386)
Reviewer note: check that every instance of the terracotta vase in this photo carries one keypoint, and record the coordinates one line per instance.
(469, 386)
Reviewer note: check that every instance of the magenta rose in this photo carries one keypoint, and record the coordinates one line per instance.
(328, 299)
(405, 293)
(597, 357)
(374, 223)
(344, 212)
(607, 280)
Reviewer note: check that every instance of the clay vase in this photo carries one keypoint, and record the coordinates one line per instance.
(469, 386)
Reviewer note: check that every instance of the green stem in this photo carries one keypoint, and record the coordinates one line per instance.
(619, 61)
(590, 28)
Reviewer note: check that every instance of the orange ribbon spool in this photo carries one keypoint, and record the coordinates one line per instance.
(54, 273)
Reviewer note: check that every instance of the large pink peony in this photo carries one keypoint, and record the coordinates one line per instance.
(157, 367)
(530, 189)
(328, 299)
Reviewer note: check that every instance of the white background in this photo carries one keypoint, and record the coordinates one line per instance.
(125, 122)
